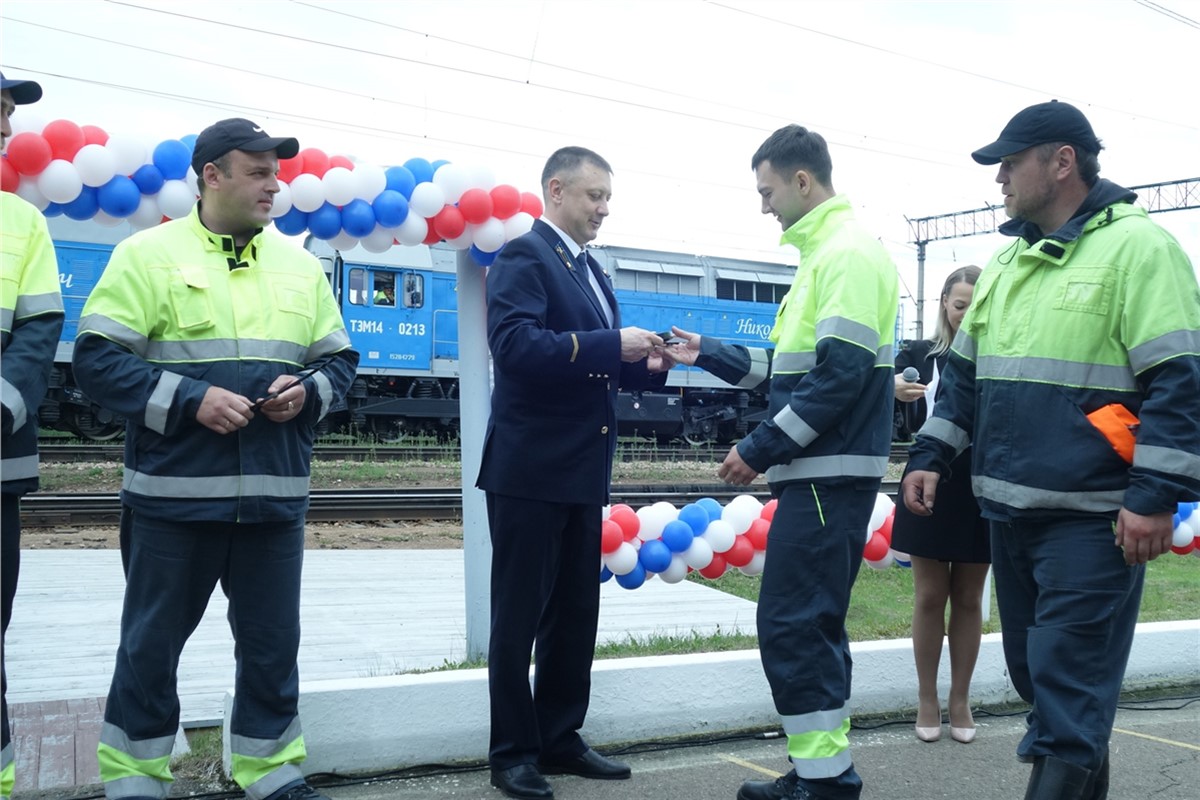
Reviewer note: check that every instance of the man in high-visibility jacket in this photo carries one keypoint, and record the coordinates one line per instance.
(31, 319)
(222, 345)
(825, 450)
(1091, 306)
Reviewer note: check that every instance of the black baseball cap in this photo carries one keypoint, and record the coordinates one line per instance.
(1045, 122)
(23, 92)
(237, 134)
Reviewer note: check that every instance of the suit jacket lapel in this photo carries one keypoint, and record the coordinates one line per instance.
(572, 267)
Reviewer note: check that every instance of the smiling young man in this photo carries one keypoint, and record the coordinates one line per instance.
(824, 450)
(1092, 312)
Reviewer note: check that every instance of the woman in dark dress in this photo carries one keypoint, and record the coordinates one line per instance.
(950, 550)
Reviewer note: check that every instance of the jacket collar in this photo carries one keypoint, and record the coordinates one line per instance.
(224, 244)
(810, 230)
(1103, 194)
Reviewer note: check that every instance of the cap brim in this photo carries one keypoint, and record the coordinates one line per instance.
(283, 147)
(997, 150)
(23, 92)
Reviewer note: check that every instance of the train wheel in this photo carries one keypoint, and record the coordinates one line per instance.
(97, 425)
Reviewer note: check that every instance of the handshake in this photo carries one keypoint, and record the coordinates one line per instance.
(662, 350)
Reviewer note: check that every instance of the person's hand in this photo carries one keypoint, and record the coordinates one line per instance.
(287, 403)
(684, 352)
(908, 391)
(919, 490)
(637, 343)
(736, 471)
(1143, 538)
(656, 362)
(223, 411)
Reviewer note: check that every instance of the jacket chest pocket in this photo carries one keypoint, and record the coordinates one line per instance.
(192, 306)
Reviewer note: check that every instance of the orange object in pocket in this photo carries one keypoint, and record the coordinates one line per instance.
(1118, 425)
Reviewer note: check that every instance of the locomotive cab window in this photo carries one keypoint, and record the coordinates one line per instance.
(385, 289)
(358, 287)
(414, 290)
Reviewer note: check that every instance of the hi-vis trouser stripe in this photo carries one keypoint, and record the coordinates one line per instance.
(134, 768)
(8, 772)
(264, 766)
(818, 743)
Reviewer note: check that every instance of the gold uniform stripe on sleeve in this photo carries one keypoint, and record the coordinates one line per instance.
(575, 351)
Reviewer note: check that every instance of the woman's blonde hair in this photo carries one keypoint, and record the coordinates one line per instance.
(942, 335)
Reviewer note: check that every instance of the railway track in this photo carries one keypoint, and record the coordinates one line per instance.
(104, 508)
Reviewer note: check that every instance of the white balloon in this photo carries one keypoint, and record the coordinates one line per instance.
(413, 230)
(1194, 522)
(339, 185)
(622, 560)
(755, 567)
(720, 535)
(59, 182)
(379, 240)
(95, 164)
(517, 225)
(427, 199)
(369, 181)
(308, 193)
(489, 235)
(464, 241)
(699, 554)
(28, 191)
(739, 516)
(107, 220)
(452, 179)
(343, 242)
(480, 177)
(283, 201)
(176, 199)
(128, 153)
(903, 559)
(677, 570)
(27, 121)
(883, 507)
(148, 214)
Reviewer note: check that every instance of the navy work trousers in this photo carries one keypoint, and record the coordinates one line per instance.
(171, 571)
(10, 565)
(814, 551)
(1068, 606)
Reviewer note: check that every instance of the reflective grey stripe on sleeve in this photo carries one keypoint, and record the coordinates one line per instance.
(1164, 348)
(946, 431)
(797, 429)
(12, 399)
(849, 331)
(159, 406)
(793, 362)
(759, 369)
(886, 356)
(1057, 371)
(807, 467)
(18, 468)
(324, 393)
(6, 319)
(1016, 495)
(964, 345)
(335, 342)
(1167, 459)
(34, 305)
(214, 485)
(113, 331)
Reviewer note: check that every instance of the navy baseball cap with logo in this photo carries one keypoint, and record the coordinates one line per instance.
(1040, 124)
(237, 134)
(23, 92)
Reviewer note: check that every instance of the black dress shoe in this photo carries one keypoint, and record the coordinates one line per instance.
(785, 787)
(523, 782)
(588, 764)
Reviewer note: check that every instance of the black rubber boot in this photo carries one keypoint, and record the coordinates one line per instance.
(1055, 779)
(1097, 785)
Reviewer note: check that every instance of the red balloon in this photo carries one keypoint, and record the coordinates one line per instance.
(531, 204)
(885, 530)
(65, 138)
(10, 179)
(315, 161)
(625, 517)
(611, 536)
(768, 512)
(432, 237)
(449, 223)
(475, 205)
(876, 549)
(340, 161)
(289, 168)
(715, 568)
(29, 153)
(757, 535)
(1183, 551)
(94, 135)
(506, 201)
(741, 553)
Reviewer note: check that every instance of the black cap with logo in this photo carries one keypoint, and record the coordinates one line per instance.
(237, 134)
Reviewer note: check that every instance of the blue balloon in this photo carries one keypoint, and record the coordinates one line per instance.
(172, 157)
(325, 222)
(441, 162)
(654, 556)
(400, 179)
(634, 578)
(481, 258)
(678, 534)
(358, 218)
(293, 222)
(605, 574)
(149, 179)
(190, 141)
(53, 210)
(1185, 510)
(391, 207)
(422, 170)
(119, 197)
(711, 506)
(696, 516)
(84, 206)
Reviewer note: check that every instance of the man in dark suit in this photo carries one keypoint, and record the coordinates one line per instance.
(559, 356)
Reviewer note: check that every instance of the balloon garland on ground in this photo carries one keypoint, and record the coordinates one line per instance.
(84, 173)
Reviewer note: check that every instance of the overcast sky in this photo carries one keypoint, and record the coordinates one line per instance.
(676, 94)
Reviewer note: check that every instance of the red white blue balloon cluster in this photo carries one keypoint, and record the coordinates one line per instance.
(710, 539)
(1186, 535)
(85, 174)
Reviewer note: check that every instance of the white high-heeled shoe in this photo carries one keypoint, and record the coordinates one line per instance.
(928, 734)
(962, 735)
